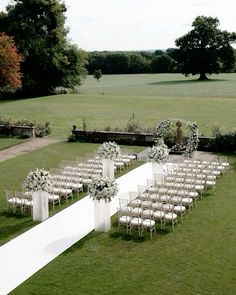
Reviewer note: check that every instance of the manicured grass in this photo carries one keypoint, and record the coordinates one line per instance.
(152, 97)
(13, 172)
(6, 142)
(197, 258)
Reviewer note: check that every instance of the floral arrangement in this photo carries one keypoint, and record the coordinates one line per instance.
(160, 130)
(109, 150)
(102, 188)
(158, 153)
(39, 179)
(193, 140)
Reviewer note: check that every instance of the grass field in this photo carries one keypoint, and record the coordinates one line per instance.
(152, 97)
(13, 172)
(6, 142)
(198, 257)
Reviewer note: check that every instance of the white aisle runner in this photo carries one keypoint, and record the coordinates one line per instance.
(25, 255)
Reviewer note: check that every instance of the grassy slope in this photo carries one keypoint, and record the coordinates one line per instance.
(151, 97)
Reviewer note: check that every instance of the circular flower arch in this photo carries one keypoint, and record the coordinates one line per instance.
(192, 142)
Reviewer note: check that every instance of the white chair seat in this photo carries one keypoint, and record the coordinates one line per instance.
(170, 216)
(187, 201)
(167, 207)
(136, 221)
(53, 197)
(146, 204)
(125, 209)
(157, 205)
(158, 214)
(148, 223)
(179, 209)
(124, 219)
(13, 200)
(147, 213)
(136, 211)
(164, 198)
(135, 202)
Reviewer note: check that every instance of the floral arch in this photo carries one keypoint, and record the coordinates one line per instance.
(192, 141)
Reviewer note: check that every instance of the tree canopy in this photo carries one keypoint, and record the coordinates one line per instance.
(205, 49)
(10, 79)
(40, 34)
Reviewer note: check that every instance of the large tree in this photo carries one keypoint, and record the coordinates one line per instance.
(10, 78)
(40, 34)
(205, 49)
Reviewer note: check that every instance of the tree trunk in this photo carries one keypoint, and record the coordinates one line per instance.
(203, 77)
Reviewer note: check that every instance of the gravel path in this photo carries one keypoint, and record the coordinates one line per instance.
(25, 147)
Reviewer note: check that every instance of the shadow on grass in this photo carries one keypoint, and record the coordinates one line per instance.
(180, 82)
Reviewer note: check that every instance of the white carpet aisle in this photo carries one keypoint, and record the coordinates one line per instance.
(25, 255)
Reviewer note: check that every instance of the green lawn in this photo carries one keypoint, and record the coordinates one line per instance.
(13, 172)
(197, 258)
(6, 142)
(152, 97)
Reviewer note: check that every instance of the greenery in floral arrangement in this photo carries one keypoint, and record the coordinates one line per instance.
(109, 150)
(37, 180)
(102, 188)
(193, 140)
(160, 130)
(158, 153)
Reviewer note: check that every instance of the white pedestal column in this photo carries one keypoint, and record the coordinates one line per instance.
(108, 168)
(157, 171)
(40, 205)
(102, 218)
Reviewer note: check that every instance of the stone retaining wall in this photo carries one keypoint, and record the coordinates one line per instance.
(128, 138)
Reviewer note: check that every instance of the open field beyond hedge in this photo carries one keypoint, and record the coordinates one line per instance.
(198, 257)
(151, 97)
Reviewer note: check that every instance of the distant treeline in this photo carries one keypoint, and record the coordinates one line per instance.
(133, 62)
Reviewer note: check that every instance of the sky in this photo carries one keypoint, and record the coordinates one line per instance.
(138, 24)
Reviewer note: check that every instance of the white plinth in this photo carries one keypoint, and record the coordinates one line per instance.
(108, 168)
(40, 205)
(102, 216)
(158, 171)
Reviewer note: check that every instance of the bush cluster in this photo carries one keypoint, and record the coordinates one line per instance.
(224, 142)
(40, 129)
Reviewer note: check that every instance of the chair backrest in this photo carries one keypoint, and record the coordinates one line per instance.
(9, 194)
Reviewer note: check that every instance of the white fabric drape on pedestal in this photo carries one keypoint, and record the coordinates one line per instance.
(40, 205)
(102, 216)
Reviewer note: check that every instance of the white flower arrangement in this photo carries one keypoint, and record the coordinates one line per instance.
(158, 153)
(102, 188)
(109, 150)
(161, 129)
(193, 140)
(37, 180)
